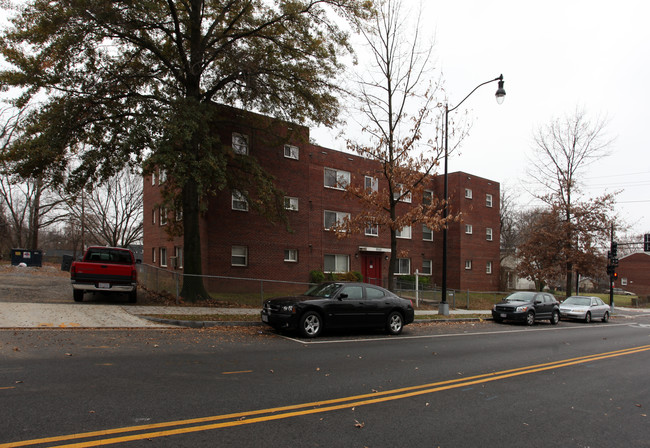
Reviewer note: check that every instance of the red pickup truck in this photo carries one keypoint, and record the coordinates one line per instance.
(106, 270)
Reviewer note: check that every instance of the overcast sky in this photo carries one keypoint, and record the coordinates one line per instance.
(555, 55)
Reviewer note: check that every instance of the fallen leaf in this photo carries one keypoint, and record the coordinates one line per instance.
(359, 424)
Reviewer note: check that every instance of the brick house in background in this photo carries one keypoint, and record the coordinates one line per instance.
(236, 242)
(634, 274)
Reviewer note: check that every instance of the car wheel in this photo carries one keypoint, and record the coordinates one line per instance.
(133, 296)
(311, 324)
(530, 318)
(395, 323)
(555, 318)
(588, 317)
(78, 295)
(606, 316)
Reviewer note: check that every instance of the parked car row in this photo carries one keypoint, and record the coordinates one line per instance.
(528, 307)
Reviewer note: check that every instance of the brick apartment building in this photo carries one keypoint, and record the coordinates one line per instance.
(633, 274)
(236, 242)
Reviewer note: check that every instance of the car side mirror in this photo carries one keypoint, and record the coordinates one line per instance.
(343, 296)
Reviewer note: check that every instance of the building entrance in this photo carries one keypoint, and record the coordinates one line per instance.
(371, 268)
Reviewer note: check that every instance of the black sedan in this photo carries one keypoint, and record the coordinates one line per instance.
(527, 306)
(339, 305)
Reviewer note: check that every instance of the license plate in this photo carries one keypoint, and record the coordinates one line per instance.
(265, 318)
(104, 285)
(503, 314)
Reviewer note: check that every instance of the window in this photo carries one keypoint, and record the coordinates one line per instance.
(239, 256)
(353, 292)
(163, 257)
(333, 218)
(153, 255)
(488, 267)
(374, 293)
(468, 264)
(488, 200)
(405, 233)
(239, 201)
(178, 253)
(488, 234)
(163, 216)
(400, 195)
(291, 152)
(178, 214)
(336, 263)
(240, 143)
(468, 229)
(468, 193)
(427, 197)
(291, 255)
(162, 177)
(153, 177)
(427, 233)
(291, 203)
(427, 268)
(153, 216)
(403, 266)
(623, 281)
(372, 230)
(336, 178)
(371, 184)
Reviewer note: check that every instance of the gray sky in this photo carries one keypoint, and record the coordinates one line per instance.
(555, 56)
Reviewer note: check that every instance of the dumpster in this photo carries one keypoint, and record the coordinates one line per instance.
(29, 257)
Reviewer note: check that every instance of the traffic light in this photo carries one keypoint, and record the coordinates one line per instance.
(614, 249)
(615, 275)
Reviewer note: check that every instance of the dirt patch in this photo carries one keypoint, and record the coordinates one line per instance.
(47, 284)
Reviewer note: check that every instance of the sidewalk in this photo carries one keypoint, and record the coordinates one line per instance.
(80, 315)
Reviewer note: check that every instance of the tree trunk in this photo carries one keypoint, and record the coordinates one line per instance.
(193, 287)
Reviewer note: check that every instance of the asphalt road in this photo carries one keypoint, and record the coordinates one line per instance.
(447, 385)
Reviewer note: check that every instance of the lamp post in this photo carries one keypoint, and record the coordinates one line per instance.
(500, 96)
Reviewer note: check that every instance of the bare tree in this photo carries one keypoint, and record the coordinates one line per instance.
(563, 150)
(112, 212)
(395, 98)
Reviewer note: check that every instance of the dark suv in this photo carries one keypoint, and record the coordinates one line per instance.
(526, 306)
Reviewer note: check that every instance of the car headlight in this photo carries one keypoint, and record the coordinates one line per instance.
(288, 308)
(521, 309)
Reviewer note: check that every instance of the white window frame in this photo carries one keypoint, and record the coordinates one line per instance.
(240, 143)
(427, 267)
(397, 195)
(162, 176)
(291, 152)
(239, 202)
(153, 216)
(153, 177)
(371, 184)
(372, 229)
(340, 260)
(163, 216)
(291, 255)
(468, 193)
(291, 203)
(338, 218)
(468, 265)
(153, 255)
(239, 252)
(488, 267)
(163, 257)
(469, 229)
(488, 200)
(405, 232)
(400, 265)
(488, 233)
(623, 281)
(178, 253)
(427, 197)
(426, 231)
(341, 178)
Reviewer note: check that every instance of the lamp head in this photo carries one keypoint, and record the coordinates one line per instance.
(501, 92)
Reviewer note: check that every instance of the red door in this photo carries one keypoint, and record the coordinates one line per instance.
(371, 269)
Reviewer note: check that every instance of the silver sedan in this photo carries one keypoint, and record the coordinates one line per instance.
(584, 308)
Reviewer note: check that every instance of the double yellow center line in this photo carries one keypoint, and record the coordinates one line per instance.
(132, 433)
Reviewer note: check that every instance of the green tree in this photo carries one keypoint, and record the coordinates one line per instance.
(127, 82)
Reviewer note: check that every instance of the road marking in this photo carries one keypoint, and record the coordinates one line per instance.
(234, 373)
(104, 437)
(448, 335)
(8, 387)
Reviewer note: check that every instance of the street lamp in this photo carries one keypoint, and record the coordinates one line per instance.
(500, 96)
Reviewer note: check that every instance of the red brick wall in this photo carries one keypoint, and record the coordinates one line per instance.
(635, 269)
(223, 227)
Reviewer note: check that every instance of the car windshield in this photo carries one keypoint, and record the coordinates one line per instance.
(521, 296)
(586, 301)
(325, 290)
